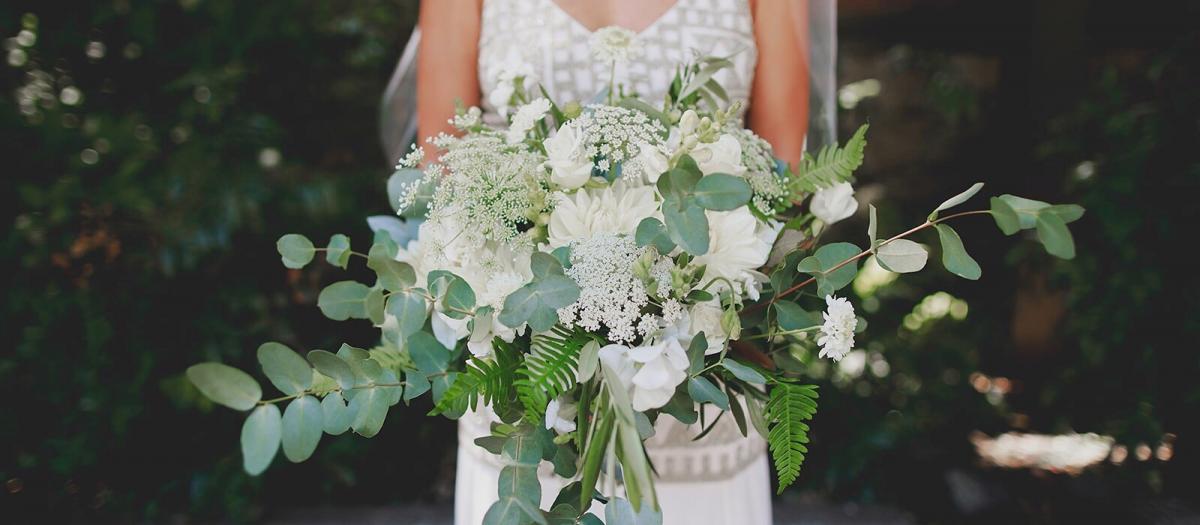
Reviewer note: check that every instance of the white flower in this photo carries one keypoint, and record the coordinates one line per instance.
(650, 373)
(738, 244)
(616, 209)
(722, 156)
(526, 118)
(834, 203)
(706, 317)
(567, 159)
(615, 44)
(837, 334)
(560, 415)
(652, 161)
(610, 295)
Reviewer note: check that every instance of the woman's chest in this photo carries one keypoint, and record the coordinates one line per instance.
(543, 41)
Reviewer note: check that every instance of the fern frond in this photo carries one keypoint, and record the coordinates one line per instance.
(482, 379)
(831, 165)
(787, 410)
(549, 369)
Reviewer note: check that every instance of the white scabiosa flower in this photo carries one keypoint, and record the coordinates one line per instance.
(834, 203)
(560, 415)
(566, 156)
(525, 119)
(837, 334)
(616, 209)
(615, 44)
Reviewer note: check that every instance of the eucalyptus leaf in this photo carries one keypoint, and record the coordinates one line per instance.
(513, 511)
(696, 351)
(332, 366)
(537, 303)
(429, 356)
(954, 255)
(344, 300)
(261, 434)
(703, 391)
(687, 227)
(370, 409)
(459, 300)
(336, 417)
(1054, 235)
(744, 372)
(296, 250)
(1067, 212)
(828, 256)
(374, 305)
(302, 427)
(393, 275)
(1006, 218)
(872, 228)
(589, 359)
(337, 252)
(289, 372)
(652, 232)
(225, 385)
(521, 482)
(677, 184)
(902, 256)
(410, 311)
(722, 192)
(791, 316)
(957, 199)
(1026, 209)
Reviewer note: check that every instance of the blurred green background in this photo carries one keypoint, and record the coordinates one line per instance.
(154, 150)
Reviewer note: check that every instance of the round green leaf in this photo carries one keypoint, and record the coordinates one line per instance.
(370, 409)
(260, 438)
(393, 275)
(459, 299)
(1006, 218)
(521, 482)
(288, 371)
(1026, 209)
(827, 257)
(902, 256)
(344, 300)
(302, 425)
(651, 231)
(410, 311)
(722, 192)
(225, 385)
(296, 250)
(954, 255)
(332, 366)
(335, 415)
(687, 227)
(1055, 236)
(337, 252)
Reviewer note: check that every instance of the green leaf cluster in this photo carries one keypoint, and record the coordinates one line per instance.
(790, 405)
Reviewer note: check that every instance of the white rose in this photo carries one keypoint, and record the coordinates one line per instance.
(722, 156)
(706, 317)
(569, 167)
(834, 203)
(617, 209)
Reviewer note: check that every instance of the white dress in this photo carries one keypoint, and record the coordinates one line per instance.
(723, 478)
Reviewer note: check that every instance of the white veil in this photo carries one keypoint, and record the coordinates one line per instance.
(398, 112)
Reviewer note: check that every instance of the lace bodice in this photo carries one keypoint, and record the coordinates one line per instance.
(539, 39)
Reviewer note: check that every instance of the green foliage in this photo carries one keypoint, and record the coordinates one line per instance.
(482, 379)
(820, 265)
(303, 423)
(225, 385)
(549, 369)
(338, 251)
(261, 434)
(652, 232)
(687, 227)
(288, 371)
(831, 165)
(787, 436)
(722, 192)
(791, 316)
(296, 250)
(956, 200)
(537, 302)
(743, 372)
(344, 300)
(902, 256)
(703, 391)
(955, 256)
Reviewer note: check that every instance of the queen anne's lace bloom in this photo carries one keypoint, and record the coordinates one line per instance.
(611, 297)
(615, 44)
(615, 134)
(837, 334)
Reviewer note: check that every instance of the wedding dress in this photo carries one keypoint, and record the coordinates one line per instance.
(723, 477)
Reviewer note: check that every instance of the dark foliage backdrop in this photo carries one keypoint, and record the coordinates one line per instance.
(152, 152)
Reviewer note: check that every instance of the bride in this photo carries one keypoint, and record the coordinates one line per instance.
(782, 69)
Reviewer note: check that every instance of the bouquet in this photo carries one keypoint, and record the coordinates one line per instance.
(583, 270)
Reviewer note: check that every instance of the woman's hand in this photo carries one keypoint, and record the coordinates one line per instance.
(779, 97)
(447, 62)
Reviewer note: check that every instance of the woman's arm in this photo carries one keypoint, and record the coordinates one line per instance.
(778, 109)
(446, 62)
